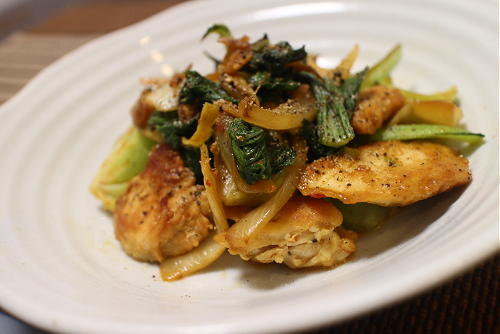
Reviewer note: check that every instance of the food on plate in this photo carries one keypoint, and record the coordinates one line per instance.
(374, 106)
(386, 173)
(275, 159)
(306, 232)
(163, 213)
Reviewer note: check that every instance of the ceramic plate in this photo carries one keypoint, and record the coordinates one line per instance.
(61, 268)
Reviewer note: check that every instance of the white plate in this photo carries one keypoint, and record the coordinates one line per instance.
(62, 270)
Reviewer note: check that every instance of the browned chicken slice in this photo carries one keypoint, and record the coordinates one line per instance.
(162, 213)
(388, 173)
(375, 105)
(304, 233)
(154, 98)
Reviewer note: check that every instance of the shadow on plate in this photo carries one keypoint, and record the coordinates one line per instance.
(407, 224)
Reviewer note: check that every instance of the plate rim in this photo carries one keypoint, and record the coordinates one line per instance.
(16, 307)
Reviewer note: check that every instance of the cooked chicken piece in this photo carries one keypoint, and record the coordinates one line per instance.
(300, 235)
(388, 173)
(162, 213)
(162, 98)
(238, 54)
(375, 105)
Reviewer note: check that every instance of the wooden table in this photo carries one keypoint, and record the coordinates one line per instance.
(468, 304)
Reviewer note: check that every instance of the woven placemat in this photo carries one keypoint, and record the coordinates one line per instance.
(23, 55)
(468, 304)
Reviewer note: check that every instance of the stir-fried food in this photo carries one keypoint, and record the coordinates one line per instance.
(390, 173)
(274, 158)
(162, 213)
(302, 234)
(375, 105)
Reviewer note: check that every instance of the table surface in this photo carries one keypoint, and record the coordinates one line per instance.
(468, 304)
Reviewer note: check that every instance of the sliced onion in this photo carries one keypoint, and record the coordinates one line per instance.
(239, 234)
(238, 54)
(212, 194)
(202, 256)
(204, 130)
(226, 153)
(208, 251)
(428, 112)
(449, 95)
(230, 193)
(235, 86)
(286, 116)
(311, 61)
(344, 68)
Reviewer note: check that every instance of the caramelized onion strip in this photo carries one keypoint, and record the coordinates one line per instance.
(286, 116)
(240, 233)
(212, 194)
(204, 130)
(208, 251)
(202, 256)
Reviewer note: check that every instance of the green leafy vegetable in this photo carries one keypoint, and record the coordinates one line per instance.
(191, 158)
(260, 44)
(221, 29)
(281, 156)
(335, 108)
(268, 68)
(315, 149)
(362, 217)
(259, 79)
(273, 57)
(425, 131)
(257, 156)
(334, 126)
(198, 88)
(380, 71)
(212, 58)
(349, 90)
(249, 148)
(172, 130)
(127, 159)
(264, 80)
(272, 87)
